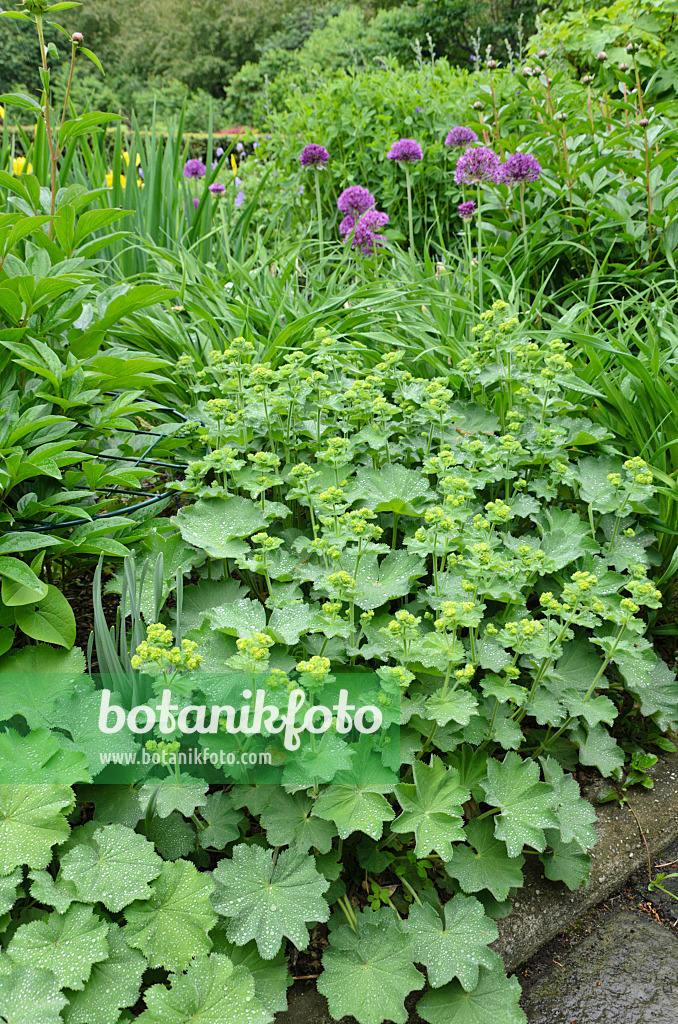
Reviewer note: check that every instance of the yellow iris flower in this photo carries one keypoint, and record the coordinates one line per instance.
(19, 166)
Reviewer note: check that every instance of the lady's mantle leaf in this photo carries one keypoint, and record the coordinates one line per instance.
(392, 488)
(113, 984)
(213, 524)
(369, 974)
(598, 748)
(222, 821)
(378, 583)
(271, 977)
(288, 822)
(172, 926)
(67, 944)
(114, 867)
(487, 865)
(183, 794)
(525, 803)
(9, 884)
(355, 801)
(432, 808)
(565, 862)
(575, 815)
(212, 991)
(58, 894)
(268, 901)
(494, 1000)
(31, 823)
(41, 758)
(30, 994)
(456, 950)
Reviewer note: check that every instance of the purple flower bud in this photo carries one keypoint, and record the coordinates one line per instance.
(194, 169)
(542, 54)
(466, 210)
(217, 188)
(314, 155)
(196, 202)
(461, 137)
(78, 38)
(643, 122)
(405, 151)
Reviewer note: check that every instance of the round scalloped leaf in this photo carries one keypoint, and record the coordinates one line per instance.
(212, 991)
(113, 984)
(457, 949)
(67, 944)
(113, 867)
(494, 1000)
(172, 926)
(212, 524)
(30, 994)
(267, 901)
(31, 823)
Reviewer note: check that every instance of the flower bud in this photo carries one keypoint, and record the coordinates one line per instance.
(623, 66)
(542, 54)
(78, 38)
(492, 64)
(643, 122)
(478, 105)
(601, 55)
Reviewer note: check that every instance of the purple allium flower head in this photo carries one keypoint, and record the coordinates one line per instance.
(477, 165)
(314, 155)
(519, 168)
(461, 137)
(466, 210)
(196, 202)
(355, 200)
(239, 199)
(406, 151)
(366, 236)
(217, 188)
(220, 152)
(348, 223)
(194, 169)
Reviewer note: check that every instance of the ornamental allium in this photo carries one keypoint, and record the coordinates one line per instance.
(406, 151)
(194, 169)
(477, 165)
(466, 210)
(314, 155)
(217, 188)
(366, 236)
(196, 202)
(461, 137)
(519, 168)
(355, 200)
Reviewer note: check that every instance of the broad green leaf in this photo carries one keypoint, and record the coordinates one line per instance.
(268, 900)
(565, 862)
(33, 696)
(183, 794)
(31, 823)
(368, 975)
(173, 925)
(431, 808)
(657, 691)
(9, 883)
(212, 991)
(575, 815)
(20, 585)
(113, 867)
(594, 710)
(39, 757)
(524, 802)
(288, 821)
(271, 977)
(378, 582)
(67, 944)
(485, 864)
(51, 620)
(594, 487)
(308, 766)
(222, 821)
(57, 893)
(355, 801)
(598, 748)
(215, 523)
(287, 624)
(457, 706)
(113, 984)
(30, 994)
(493, 1001)
(566, 537)
(457, 949)
(173, 837)
(241, 618)
(393, 488)
(41, 660)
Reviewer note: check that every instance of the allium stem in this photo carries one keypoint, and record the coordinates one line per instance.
(480, 253)
(320, 211)
(409, 207)
(469, 253)
(522, 215)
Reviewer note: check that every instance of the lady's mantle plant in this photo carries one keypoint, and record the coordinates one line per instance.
(468, 552)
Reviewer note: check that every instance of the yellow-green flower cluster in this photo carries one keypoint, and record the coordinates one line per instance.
(256, 646)
(156, 649)
(316, 667)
